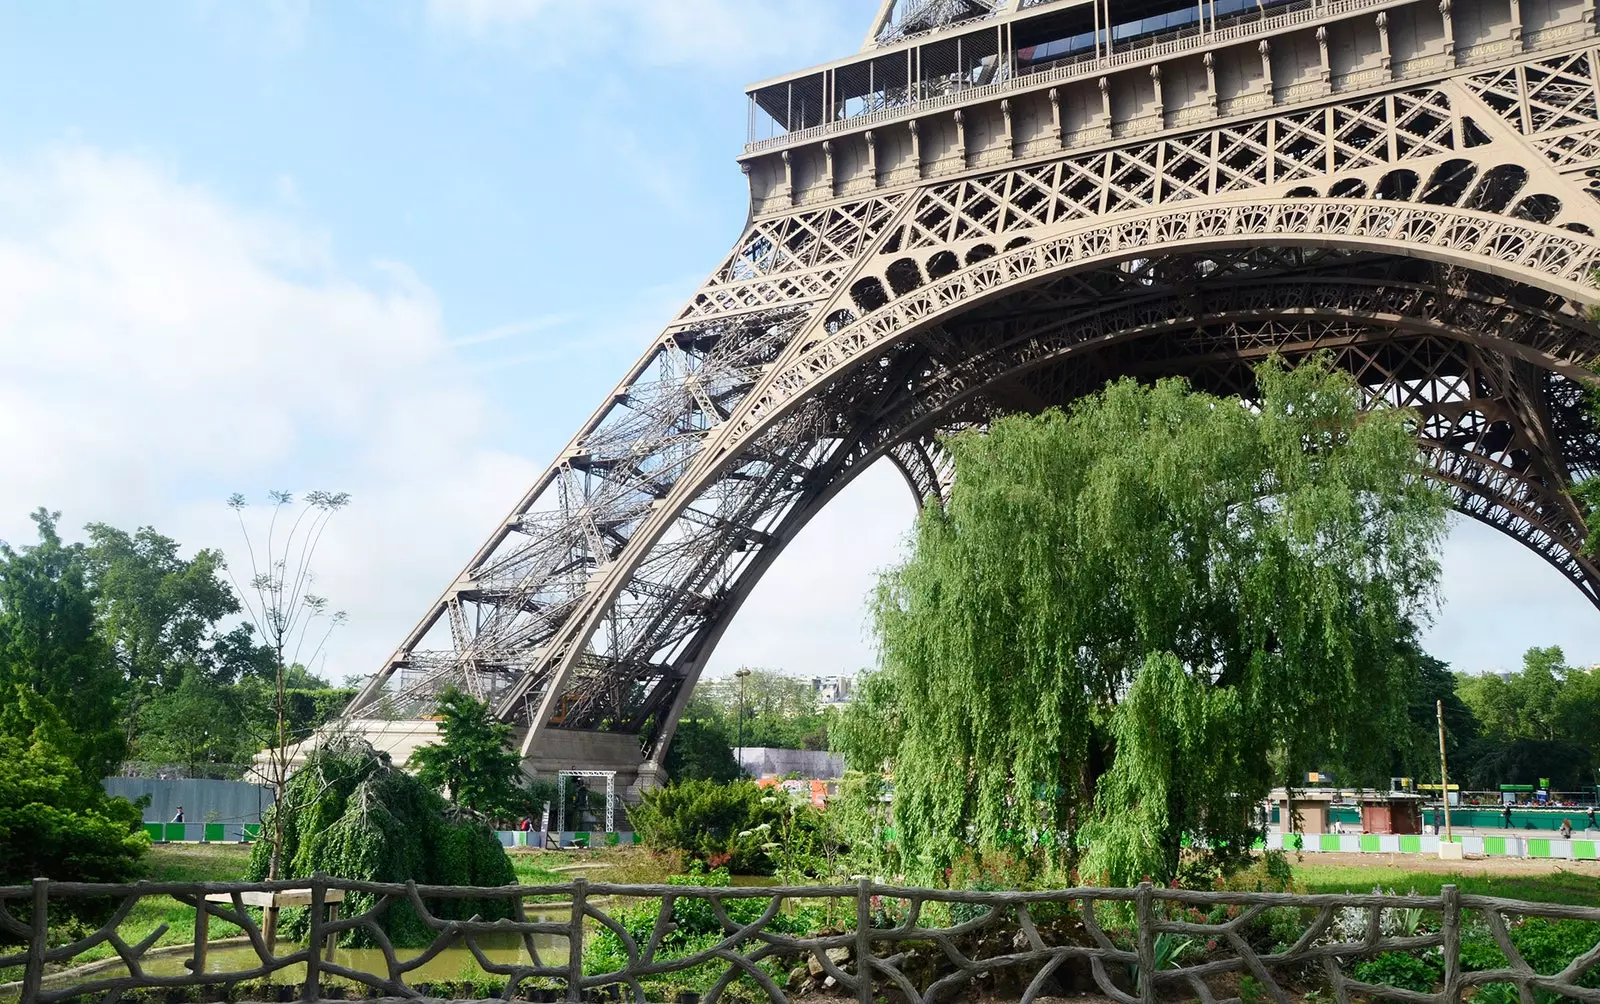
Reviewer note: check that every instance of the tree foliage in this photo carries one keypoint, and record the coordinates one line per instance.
(352, 814)
(474, 764)
(779, 711)
(127, 641)
(1135, 616)
(55, 823)
(737, 824)
(701, 751)
(160, 611)
(51, 645)
(1537, 723)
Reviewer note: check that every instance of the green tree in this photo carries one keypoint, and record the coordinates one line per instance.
(701, 751)
(1413, 750)
(868, 729)
(779, 711)
(160, 611)
(200, 724)
(349, 812)
(1200, 594)
(51, 644)
(1537, 723)
(57, 824)
(474, 763)
(1577, 712)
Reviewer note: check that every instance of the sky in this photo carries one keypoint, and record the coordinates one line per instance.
(402, 248)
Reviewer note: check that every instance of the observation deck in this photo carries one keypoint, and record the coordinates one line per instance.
(946, 86)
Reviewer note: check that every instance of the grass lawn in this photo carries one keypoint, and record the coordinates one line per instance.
(197, 862)
(1542, 882)
(536, 869)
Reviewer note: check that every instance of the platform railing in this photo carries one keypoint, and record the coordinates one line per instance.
(909, 944)
(1237, 28)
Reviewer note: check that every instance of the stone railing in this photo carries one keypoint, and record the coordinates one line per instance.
(911, 945)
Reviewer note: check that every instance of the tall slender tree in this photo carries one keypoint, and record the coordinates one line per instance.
(292, 621)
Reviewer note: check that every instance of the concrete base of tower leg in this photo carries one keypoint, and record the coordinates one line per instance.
(561, 749)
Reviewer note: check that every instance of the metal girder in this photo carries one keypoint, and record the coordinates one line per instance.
(1433, 228)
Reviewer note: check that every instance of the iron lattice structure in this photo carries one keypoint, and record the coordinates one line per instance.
(998, 206)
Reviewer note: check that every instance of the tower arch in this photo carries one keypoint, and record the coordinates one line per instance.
(923, 260)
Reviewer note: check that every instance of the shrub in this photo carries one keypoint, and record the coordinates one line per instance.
(1401, 970)
(1546, 945)
(695, 928)
(56, 825)
(724, 824)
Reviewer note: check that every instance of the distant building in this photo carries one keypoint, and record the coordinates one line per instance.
(760, 761)
(833, 689)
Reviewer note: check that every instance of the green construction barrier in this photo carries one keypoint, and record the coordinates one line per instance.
(580, 839)
(1260, 844)
(1294, 841)
(156, 831)
(176, 831)
(1583, 850)
(1538, 848)
(214, 833)
(252, 831)
(1328, 841)
(1369, 843)
(1494, 845)
(612, 840)
(1410, 844)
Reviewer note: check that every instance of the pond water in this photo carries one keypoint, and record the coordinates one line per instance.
(454, 963)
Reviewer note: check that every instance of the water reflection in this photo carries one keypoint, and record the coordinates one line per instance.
(454, 963)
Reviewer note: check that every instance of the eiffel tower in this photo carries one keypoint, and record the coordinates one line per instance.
(999, 205)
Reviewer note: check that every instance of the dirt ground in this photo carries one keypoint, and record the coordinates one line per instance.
(1471, 866)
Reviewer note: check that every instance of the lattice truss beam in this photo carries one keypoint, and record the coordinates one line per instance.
(1439, 239)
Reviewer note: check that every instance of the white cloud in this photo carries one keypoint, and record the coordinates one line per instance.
(717, 32)
(162, 348)
(1502, 599)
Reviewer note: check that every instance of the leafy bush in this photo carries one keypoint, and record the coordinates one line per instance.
(54, 824)
(1546, 945)
(353, 815)
(724, 824)
(695, 928)
(1400, 969)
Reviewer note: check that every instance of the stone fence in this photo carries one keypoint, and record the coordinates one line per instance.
(1135, 946)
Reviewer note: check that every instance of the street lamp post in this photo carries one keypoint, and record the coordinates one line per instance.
(741, 674)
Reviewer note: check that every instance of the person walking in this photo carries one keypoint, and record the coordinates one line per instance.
(1507, 815)
(178, 817)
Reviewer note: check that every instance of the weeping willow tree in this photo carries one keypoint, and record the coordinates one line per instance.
(1135, 617)
(352, 814)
